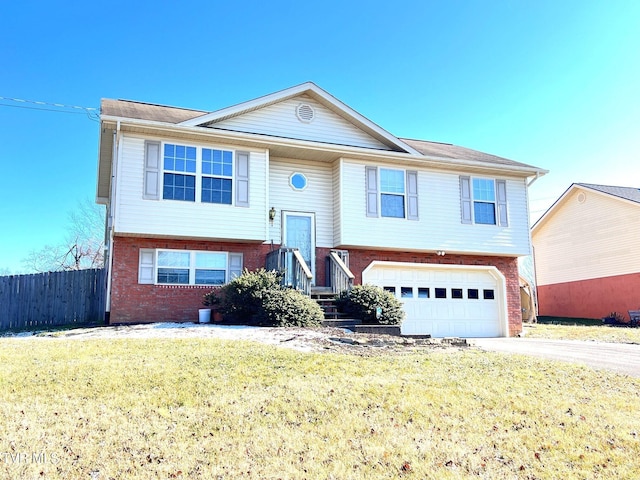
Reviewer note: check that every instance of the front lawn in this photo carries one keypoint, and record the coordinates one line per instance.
(203, 408)
(600, 333)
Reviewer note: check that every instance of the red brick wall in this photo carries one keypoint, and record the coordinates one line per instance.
(593, 298)
(133, 303)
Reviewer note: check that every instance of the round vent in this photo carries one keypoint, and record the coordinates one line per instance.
(582, 197)
(305, 113)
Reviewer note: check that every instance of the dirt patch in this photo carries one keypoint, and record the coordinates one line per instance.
(325, 339)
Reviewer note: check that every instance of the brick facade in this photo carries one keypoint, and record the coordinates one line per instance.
(133, 303)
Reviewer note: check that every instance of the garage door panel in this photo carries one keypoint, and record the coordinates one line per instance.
(466, 314)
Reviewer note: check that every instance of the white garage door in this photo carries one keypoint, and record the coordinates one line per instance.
(444, 300)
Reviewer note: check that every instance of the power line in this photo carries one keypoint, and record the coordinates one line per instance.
(90, 112)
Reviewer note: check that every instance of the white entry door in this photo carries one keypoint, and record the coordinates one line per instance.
(299, 231)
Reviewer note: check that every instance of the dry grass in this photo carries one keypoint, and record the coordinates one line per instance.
(200, 408)
(601, 333)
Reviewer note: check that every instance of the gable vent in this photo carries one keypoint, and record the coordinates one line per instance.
(305, 113)
(582, 197)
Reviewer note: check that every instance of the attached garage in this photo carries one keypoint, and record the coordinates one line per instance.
(445, 300)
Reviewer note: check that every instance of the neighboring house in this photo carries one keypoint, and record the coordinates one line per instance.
(194, 197)
(587, 252)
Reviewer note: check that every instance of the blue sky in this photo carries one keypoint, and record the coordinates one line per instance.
(555, 84)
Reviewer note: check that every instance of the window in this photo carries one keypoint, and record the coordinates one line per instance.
(298, 181)
(217, 176)
(196, 174)
(472, 293)
(184, 267)
(391, 193)
(483, 201)
(390, 289)
(406, 292)
(423, 292)
(441, 292)
(179, 173)
(488, 294)
(456, 293)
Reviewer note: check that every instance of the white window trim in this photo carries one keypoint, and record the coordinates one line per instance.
(373, 182)
(148, 266)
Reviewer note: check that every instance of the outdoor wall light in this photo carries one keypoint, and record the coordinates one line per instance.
(272, 214)
(441, 253)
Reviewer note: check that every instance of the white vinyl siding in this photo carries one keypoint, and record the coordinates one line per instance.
(581, 241)
(316, 198)
(439, 226)
(139, 216)
(280, 120)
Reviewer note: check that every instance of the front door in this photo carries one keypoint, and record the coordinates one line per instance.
(299, 232)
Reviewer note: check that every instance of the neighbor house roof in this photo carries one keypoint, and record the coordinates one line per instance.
(627, 193)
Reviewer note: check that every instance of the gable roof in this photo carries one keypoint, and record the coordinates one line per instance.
(318, 94)
(630, 194)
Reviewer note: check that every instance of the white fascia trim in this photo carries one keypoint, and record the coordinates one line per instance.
(266, 141)
(308, 87)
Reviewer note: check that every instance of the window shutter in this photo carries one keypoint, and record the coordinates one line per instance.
(151, 170)
(501, 195)
(465, 199)
(412, 195)
(372, 191)
(235, 265)
(146, 266)
(242, 179)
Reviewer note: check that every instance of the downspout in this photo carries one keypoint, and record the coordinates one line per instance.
(534, 179)
(110, 213)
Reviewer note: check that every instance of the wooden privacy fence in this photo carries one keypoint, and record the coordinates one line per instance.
(54, 298)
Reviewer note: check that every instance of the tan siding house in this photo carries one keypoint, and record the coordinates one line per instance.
(587, 252)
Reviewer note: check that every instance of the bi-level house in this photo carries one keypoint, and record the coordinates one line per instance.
(297, 180)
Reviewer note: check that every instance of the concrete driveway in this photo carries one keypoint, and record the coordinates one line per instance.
(617, 357)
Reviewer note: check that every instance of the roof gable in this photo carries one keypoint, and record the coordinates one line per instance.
(258, 115)
(623, 194)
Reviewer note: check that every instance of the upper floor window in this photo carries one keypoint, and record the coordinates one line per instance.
(217, 176)
(179, 164)
(391, 193)
(196, 174)
(483, 201)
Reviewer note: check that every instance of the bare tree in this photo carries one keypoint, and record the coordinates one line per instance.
(83, 246)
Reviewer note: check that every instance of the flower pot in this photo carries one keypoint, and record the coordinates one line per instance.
(204, 315)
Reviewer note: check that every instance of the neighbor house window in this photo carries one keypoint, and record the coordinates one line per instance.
(391, 193)
(188, 267)
(483, 201)
(179, 164)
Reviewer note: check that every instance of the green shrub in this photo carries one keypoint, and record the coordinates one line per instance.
(256, 298)
(290, 308)
(362, 301)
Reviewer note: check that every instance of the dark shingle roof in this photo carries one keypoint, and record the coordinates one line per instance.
(628, 193)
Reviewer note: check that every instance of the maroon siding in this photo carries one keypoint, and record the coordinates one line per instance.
(593, 298)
